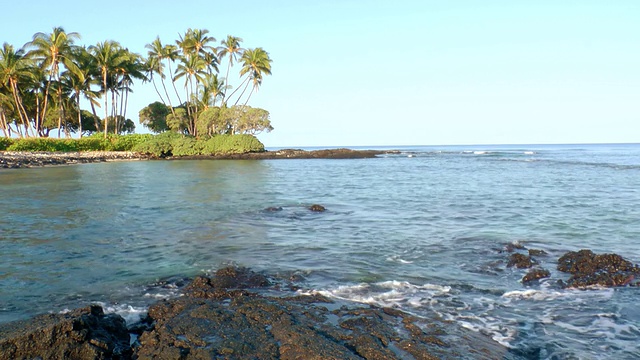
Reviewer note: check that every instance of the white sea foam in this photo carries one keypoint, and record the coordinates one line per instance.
(387, 293)
(529, 152)
(531, 294)
(398, 259)
(131, 314)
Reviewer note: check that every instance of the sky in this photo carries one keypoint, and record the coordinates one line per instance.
(402, 72)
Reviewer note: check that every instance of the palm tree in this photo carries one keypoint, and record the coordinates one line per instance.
(15, 68)
(212, 89)
(231, 48)
(195, 42)
(191, 68)
(157, 54)
(255, 63)
(108, 56)
(52, 49)
(131, 68)
(80, 80)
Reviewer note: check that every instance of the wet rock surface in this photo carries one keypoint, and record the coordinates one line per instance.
(18, 159)
(520, 261)
(588, 268)
(534, 275)
(85, 333)
(223, 319)
(317, 208)
(240, 314)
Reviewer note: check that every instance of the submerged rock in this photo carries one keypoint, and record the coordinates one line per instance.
(520, 261)
(589, 269)
(535, 274)
(317, 208)
(536, 252)
(511, 247)
(85, 333)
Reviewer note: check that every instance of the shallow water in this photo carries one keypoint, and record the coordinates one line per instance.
(422, 230)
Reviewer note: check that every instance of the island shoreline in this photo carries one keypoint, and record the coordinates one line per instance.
(23, 159)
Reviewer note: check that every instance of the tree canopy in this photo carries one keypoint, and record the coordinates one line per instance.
(44, 83)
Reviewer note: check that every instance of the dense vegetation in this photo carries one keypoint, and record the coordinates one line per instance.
(43, 82)
(165, 144)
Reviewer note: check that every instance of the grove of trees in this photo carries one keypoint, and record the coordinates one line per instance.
(43, 83)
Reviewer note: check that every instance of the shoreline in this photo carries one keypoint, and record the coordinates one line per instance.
(22, 159)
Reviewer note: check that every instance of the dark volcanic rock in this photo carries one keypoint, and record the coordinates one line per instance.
(232, 316)
(511, 247)
(273, 209)
(238, 324)
(535, 252)
(520, 261)
(85, 333)
(225, 279)
(22, 159)
(252, 327)
(535, 274)
(295, 154)
(604, 269)
(317, 208)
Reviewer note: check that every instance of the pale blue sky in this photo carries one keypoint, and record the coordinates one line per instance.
(403, 72)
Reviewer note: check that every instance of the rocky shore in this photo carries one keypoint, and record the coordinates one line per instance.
(298, 154)
(241, 314)
(13, 160)
(19, 159)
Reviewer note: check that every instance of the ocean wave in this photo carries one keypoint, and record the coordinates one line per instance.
(398, 259)
(387, 293)
(131, 314)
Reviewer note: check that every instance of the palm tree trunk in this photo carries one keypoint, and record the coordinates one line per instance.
(36, 121)
(59, 93)
(168, 97)
(43, 114)
(174, 84)
(95, 116)
(126, 103)
(3, 123)
(21, 111)
(114, 109)
(106, 110)
(79, 114)
(153, 81)
(226, 81)
(243, 90)
(234, 91)
(249, 97)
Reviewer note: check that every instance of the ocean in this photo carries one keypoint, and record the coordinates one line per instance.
(424, 230)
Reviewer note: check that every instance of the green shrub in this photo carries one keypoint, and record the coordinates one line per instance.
(166, 144)
(44, 144)
(92, 143)
(187, 146)
(128, 142)
(5, 143)
(232, 144)
(157, 146)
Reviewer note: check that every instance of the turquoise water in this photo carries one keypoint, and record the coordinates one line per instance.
(422, 230)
